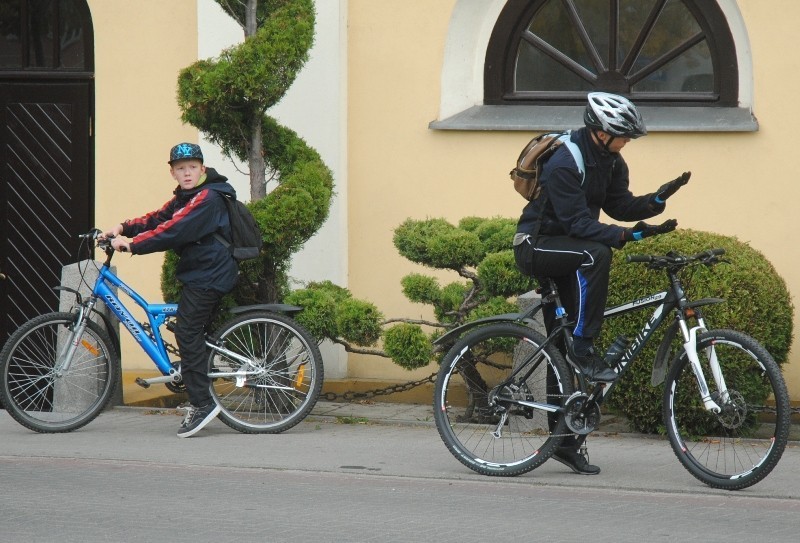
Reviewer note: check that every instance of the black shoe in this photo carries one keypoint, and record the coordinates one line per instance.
(197, 418)
(592, 366)
(575, 461)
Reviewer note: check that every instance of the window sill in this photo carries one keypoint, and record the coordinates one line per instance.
(541, 118)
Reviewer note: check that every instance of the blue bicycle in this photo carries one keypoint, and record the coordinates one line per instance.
(59, 370)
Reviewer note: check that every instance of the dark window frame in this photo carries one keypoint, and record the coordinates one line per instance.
(514, 19)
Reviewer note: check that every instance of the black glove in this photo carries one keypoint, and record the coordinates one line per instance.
(668, 189)
(643, 230)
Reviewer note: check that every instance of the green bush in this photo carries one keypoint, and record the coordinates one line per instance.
(757, 303)
(408, 346)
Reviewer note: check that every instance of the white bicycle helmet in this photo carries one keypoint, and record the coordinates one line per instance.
(615, 115)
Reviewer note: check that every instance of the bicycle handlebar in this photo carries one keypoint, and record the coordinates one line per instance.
(673, 259)
(102, 244)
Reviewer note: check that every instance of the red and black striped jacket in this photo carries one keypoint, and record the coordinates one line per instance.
(186, 224)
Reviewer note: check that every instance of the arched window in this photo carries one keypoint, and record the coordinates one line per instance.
(655, 51)
(45, 35)
(528, 64)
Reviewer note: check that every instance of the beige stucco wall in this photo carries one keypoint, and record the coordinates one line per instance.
(741, 183)
(139, 49)
(398, 168)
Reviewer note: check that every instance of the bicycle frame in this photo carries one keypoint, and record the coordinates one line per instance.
(157, 315)
(151, 342)
(665, 302)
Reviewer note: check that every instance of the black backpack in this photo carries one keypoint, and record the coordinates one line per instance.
(247, 241)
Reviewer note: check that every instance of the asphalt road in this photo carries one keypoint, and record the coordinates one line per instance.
(127, 477)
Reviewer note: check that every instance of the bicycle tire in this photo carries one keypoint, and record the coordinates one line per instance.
(739, 446)
(32, 391)
(466, 417)
(289, 385)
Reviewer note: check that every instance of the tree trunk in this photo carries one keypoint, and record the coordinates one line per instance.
(258, 180)
(255, 153)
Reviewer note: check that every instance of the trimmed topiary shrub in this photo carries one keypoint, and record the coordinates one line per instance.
(757, 303)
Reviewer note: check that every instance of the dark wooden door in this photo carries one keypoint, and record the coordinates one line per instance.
(46, 197)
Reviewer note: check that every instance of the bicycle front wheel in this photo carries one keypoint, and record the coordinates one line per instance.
(739, 446)
(279, 370)
(38, 392)
(477, 400)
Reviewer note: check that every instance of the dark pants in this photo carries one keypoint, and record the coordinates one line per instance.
(195, 310)
(580, 270)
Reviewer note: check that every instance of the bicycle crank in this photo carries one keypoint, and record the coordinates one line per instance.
(581, 415)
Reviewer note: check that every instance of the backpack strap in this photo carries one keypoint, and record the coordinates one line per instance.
(578, 157)
(226, 200)
(576, 154)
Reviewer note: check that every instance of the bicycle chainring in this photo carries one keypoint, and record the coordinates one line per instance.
(175, 388)
(581, 418)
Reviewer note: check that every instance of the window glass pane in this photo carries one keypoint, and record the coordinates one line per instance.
(674, 25)
(595, 17)
(633, 16)
(71, 36)
(690, 72)
(538, 72)
(553, 25)
(10, 35)
(41, 32)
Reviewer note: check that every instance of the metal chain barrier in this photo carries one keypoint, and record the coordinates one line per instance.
(369, 394)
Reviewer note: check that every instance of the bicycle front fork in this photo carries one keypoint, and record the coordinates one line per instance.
(690, 346)
(67, 351)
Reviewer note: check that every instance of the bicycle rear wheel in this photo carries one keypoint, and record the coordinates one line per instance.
(474, 400)
(739, 446)
(38, 393)
(289, 378)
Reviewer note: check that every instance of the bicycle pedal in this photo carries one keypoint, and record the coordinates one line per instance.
(142, 383)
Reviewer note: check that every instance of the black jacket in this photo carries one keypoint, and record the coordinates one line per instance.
(573, 208)
(186, 224)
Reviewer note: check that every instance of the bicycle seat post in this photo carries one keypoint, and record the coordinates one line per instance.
(550, 295)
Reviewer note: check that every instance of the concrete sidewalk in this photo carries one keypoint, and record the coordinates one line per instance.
(381, 439)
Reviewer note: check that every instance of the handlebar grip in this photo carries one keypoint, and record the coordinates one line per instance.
(709, 253)
(639, 258)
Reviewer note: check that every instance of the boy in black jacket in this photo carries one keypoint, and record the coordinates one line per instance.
(187, 223)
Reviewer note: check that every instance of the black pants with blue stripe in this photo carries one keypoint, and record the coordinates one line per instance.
(580, 269)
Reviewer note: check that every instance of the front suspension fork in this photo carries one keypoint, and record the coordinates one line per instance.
(67, 352)
(690, 346)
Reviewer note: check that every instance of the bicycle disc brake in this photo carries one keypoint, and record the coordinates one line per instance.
(581, 417)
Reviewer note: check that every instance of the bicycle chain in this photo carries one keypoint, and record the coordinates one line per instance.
(169, 347)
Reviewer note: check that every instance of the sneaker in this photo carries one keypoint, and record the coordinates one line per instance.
(197, 418)
(592, 366)
(575, 461)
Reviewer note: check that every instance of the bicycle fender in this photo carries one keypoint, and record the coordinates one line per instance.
(660, 365)
(662, 356)
(705, 301)
(452, 335)
(77, 294)
(285, 309)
